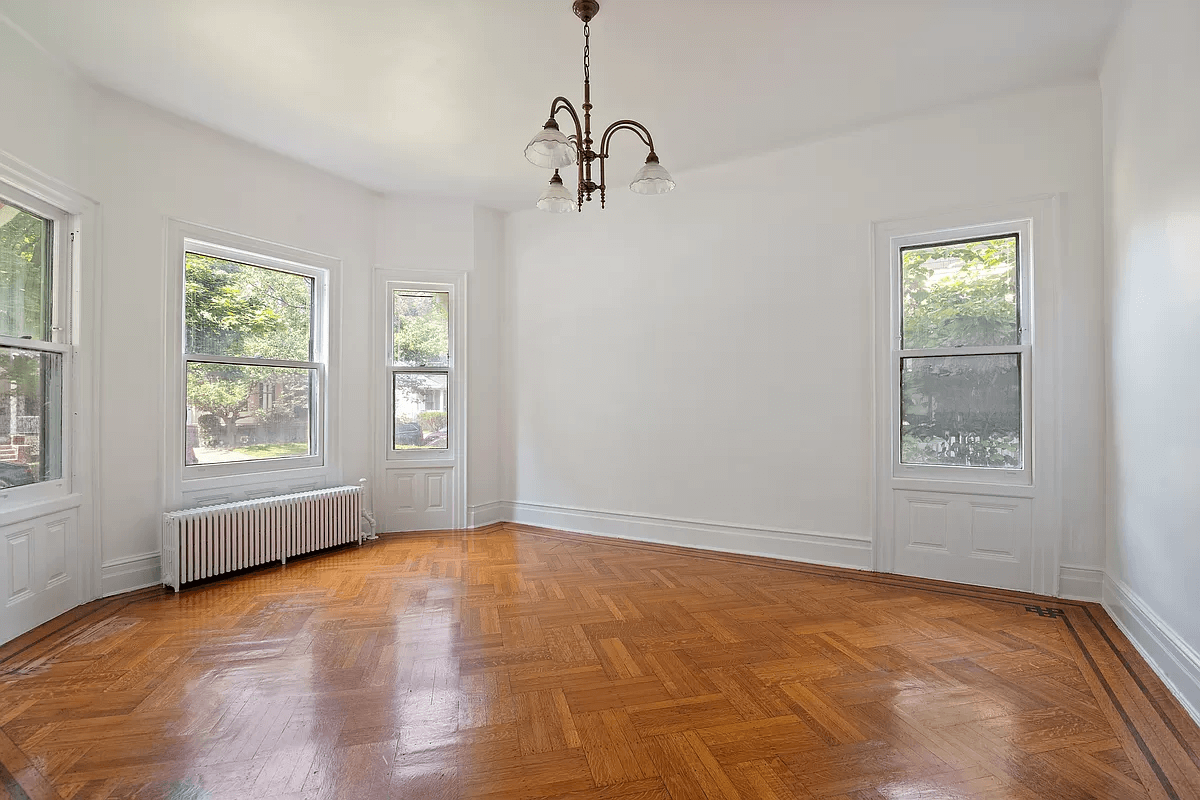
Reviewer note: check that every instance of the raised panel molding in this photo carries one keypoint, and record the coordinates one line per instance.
(927, 524)
(403, 495)
(435, 495)
(993, 531)
(19, 545)
(418, 497)
(40, 567)
(56, 552)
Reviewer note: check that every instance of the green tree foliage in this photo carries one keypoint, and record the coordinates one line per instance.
(961, 410)
(421, 327)
(240, 310)
(25, 243)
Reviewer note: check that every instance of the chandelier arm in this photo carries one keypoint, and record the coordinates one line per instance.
(627, 125)
(559, 104)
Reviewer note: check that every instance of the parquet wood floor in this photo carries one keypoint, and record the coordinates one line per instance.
(516, 663)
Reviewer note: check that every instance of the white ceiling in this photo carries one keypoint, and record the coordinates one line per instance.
(441, 95)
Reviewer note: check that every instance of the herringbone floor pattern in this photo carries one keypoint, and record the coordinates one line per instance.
(513, 663)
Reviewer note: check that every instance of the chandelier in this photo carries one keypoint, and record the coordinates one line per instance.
(551, 149)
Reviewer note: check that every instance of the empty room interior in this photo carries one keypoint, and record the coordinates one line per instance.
(614, 400)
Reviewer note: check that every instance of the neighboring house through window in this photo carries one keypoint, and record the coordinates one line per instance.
(420, 368)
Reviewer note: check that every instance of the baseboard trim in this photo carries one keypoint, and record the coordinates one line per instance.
(129, 573)
(812, 547)
(1081, 583)
(1173, 659)
(485, 514)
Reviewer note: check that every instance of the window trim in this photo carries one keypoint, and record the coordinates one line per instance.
(63, 280)
(186, 237)
(1023, 229)
(455, 419)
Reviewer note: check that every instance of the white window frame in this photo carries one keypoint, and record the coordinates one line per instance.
(186, 238)
(65, 227)
(455, 390)
(1023, 229)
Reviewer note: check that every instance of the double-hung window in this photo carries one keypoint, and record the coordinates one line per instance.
(253, 361)
(34, 341)
(962, 362)
(420, 368)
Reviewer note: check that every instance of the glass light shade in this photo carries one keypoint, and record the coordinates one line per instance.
(652, 179)
(551, 149)
(556, 199)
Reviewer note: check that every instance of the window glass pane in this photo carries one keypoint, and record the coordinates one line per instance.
(30, 417)
(962, 411)
(420, 328)
(237, 413)
(234, 309)
(419, 419)
(961, 294)
(25, 247)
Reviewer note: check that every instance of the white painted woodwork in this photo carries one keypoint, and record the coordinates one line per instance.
(982, 540)
(988, 527)
(418, 498)
(40, 571)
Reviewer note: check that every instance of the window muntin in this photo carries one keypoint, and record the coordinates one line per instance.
(34, 351)
(420, 356)
(962, 355)
(252, 387)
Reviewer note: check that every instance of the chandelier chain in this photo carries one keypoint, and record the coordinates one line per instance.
(587, 52)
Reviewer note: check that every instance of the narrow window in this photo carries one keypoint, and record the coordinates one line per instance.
(33, 340)
(420, 369)
(253, 362)
(963, 354)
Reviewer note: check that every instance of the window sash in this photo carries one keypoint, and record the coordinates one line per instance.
(1018, 280)
(59, 274)
(1021, 409)
(455, 412)
(450, 417)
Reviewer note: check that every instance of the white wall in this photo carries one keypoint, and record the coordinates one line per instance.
(706, 355)
(147, 167)
(416, 234)
(1151, 141)
(144, 166)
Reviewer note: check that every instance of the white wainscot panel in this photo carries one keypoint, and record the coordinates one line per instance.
(967, 538)
(418, 498)
(38, 572)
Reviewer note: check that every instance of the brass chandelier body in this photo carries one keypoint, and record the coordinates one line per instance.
(549, 148)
